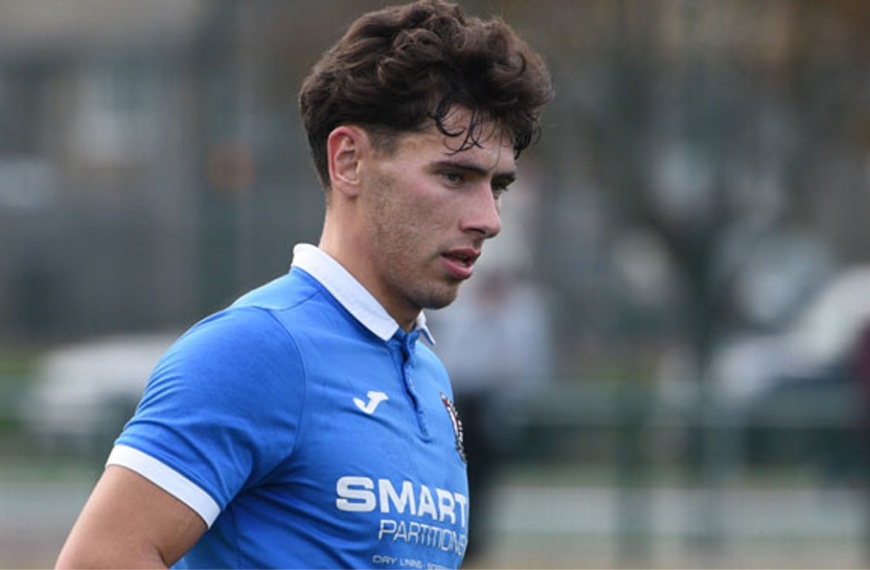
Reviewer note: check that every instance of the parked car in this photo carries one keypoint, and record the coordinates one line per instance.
(796, 390)
(815, 347)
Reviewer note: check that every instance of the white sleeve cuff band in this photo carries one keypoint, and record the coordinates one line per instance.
(167, 479)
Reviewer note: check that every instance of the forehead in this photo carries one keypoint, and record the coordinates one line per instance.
(489, 146)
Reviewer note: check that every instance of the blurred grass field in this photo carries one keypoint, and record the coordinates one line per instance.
(544, 517)
(558, 503)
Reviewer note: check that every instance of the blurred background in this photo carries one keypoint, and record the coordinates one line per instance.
(669, 349)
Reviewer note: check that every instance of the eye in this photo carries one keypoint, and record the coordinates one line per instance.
(499, 189)
(453, 178)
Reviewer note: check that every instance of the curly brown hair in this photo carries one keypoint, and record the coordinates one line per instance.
(399, 68)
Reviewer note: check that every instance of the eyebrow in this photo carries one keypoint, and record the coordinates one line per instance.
(505, 177)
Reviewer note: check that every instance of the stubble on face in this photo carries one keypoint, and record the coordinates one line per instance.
(413, 214)
(405, 229)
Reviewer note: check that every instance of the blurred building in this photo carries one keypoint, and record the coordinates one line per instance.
(702, 176)
(152, 164)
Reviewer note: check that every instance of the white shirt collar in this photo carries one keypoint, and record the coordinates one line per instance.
(350, 292)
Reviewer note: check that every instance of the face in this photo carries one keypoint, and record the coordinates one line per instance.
(429, 210)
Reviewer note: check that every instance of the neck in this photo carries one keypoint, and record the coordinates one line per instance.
(349, 253)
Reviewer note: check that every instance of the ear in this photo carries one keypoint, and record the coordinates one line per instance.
(345, 148)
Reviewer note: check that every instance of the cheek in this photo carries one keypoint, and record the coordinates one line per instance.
(420, 214)
(431, 223)
(410, 212)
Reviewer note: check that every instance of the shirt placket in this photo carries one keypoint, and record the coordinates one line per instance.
(407, 343)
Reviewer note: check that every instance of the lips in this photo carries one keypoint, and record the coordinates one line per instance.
(460, 262)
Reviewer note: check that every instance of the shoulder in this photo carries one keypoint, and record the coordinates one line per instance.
(426, 354)
(242, 353)
(261, 322)
(285, 292)
(243, 333)
(298, 303)
(216, 389)
(428, 360)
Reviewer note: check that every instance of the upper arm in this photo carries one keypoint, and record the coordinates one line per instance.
(220, 411)
(129, 522)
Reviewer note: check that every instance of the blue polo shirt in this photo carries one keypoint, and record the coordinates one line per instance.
(307, 430)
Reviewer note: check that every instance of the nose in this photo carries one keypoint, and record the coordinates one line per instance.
(482, 213)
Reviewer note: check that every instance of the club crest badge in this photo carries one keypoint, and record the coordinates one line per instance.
(457, 425)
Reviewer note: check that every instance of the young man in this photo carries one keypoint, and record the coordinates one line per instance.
(307, 425)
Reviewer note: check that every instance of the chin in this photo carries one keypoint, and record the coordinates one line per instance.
(440, 301)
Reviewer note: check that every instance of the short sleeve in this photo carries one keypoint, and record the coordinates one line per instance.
(220, 411)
